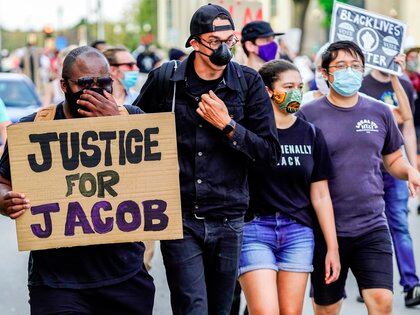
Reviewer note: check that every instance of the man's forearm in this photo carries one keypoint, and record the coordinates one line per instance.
(410, 142)
(399, 168)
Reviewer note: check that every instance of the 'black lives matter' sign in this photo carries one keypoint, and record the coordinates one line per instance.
(380, 37)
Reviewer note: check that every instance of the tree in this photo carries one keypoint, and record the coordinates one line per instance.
(144, 14)
(299, 14)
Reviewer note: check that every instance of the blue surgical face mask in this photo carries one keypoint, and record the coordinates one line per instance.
(347, 81)
(130, 79)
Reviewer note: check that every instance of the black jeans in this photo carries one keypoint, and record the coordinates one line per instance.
(134, 296)
(202, 267)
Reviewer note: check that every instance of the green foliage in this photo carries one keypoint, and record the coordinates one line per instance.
(327, 6)
(145, 13)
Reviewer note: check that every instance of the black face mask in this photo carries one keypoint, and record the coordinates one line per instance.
(220, 56)
(72, 98)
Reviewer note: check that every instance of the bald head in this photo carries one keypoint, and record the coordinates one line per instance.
(84, 61)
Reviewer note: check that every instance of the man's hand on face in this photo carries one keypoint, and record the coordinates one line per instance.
(97, 105)
(213, 109)
(14, 205)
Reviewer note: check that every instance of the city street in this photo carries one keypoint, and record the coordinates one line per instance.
(14, 295)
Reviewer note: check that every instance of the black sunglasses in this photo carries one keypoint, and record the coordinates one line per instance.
(87, 82)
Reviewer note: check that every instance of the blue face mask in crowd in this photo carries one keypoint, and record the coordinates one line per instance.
(130, 79)
(347, 81)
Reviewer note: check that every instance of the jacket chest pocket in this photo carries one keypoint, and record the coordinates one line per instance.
(236, 111)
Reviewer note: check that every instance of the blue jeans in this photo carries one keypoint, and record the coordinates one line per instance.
(396, 199)
(276, 242)
(202, 267)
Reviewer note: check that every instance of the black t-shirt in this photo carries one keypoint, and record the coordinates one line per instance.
(85, 266)
(286, 188)
(384, 92)
(196, 85)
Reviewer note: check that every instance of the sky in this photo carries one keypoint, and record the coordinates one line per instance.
(35, 14)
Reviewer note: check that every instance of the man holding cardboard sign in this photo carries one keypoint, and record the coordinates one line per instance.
(97, 279)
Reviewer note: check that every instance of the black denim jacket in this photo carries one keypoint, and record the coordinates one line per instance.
(214, 168)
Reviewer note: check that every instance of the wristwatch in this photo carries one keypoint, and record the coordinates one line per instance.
(229, 127)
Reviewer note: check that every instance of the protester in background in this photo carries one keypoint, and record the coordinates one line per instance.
(100, 45)
(147, 59)
(398, 92)
(278, 245)
(53, 93)
(362, 134)
(4, 122)
(224, 122)
(177, 54)
(412, 71)
(30, 63)
(284, 51)
(96, 279)
(125, 74)
(322, 88)
(258, 43)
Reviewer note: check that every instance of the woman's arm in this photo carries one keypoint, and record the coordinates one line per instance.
(321, 201)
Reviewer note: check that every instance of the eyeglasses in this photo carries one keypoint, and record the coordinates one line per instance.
(354, 66)
(128, 64)
(216, 43)
(87, 82)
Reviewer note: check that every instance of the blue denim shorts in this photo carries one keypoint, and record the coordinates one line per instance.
(276, 242)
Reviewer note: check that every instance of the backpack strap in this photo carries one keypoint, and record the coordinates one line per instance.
(164, 79)
(123, 111)
(46, 113)
(243, 85)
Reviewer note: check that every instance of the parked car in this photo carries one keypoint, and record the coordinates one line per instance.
(19, 95)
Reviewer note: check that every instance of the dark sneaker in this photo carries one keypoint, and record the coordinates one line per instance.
(360, 299)
(412, 297)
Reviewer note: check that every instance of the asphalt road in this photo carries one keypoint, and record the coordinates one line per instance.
(14, 293)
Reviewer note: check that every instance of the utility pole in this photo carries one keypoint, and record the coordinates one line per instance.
(101, 26)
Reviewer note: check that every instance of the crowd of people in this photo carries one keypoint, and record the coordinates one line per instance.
(278, 183)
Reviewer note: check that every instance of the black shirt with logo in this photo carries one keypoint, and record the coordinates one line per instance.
(286, 188)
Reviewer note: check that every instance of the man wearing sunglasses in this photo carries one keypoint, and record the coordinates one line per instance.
(124, 72)
(96, 279)
(224, 122)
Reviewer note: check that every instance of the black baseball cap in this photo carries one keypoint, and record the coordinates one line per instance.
(257, 29)
(202, 21)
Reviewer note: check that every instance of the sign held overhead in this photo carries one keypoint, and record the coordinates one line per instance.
(380, 37)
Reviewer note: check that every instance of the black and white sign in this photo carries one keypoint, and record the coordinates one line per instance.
(380, 37)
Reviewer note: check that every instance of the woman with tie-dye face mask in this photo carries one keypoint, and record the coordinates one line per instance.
(278, 243)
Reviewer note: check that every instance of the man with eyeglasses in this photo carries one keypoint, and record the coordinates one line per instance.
(224, 122)
(96, 279)
(258, 43)
(125, 74)
(399, 93)
(361, 134)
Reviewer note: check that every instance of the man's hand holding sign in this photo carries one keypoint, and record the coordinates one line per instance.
(380, 37)
(110, 180)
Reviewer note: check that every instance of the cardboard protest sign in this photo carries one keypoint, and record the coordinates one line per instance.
(242, 12)
(380, 37)
(96, 180)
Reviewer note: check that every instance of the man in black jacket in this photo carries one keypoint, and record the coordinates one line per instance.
(224, 122)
